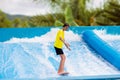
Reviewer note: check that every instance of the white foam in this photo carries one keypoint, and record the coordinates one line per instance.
(103, 35)
(48, 37)
(69, 36)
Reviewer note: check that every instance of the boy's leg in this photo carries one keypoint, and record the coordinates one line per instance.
(62, 62)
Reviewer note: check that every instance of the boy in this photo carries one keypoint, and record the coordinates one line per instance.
(58, 44)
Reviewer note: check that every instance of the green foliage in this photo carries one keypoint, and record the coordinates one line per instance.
(69, 17)
(58, 23)
(110, 15)
(80, 12)
(42, 20)
(74, 12)
(46, 20)
(25, 24)
(17, 22)
(60, 17)
(4, 21)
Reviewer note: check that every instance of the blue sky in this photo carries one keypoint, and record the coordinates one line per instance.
(28, 7)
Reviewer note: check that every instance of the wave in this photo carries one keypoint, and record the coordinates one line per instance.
(69, 36)
(48, 37)
(105, 36)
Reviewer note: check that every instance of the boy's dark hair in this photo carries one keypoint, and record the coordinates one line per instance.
(65, 24)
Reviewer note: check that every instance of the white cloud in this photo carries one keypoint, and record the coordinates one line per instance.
(28, 7)
(96, 4)
(25, 7)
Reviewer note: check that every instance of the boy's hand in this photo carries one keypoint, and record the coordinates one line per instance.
(67, 45)
(69, 48)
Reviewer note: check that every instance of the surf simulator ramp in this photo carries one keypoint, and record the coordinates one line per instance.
(28, 53)
(103, 49)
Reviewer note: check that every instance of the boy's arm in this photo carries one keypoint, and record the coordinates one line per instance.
(66, 44)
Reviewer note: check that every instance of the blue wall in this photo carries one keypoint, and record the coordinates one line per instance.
(8, 33)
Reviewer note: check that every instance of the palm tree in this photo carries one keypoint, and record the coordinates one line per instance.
(75, 11)
(110, 15)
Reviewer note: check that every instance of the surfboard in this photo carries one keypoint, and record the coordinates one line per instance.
(64, 73)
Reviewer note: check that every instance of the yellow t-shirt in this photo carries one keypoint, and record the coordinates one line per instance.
(58, 43)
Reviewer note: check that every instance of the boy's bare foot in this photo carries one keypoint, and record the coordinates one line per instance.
(63, 73)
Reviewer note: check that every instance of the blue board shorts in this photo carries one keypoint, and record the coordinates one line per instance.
(58, 51)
